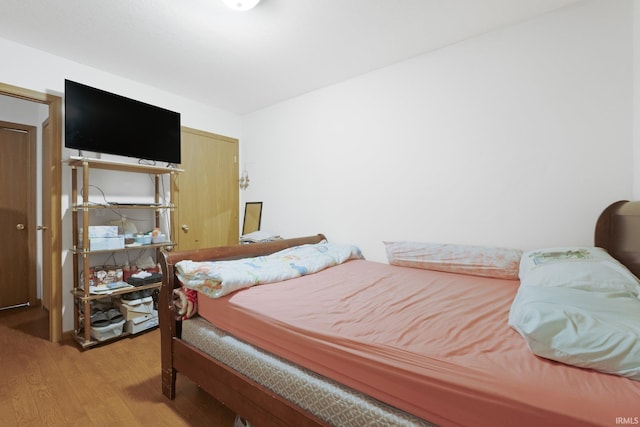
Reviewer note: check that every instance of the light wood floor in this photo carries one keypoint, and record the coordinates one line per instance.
(46, 384)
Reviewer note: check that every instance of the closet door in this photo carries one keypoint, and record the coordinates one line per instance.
(207, 192)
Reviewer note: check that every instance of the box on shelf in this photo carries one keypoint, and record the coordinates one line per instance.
(106, 243)
(107, 332)
(103, 275)
(142, 323)
(103, 231)
(133, 311)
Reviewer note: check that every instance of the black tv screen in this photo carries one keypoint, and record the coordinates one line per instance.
(104, 122)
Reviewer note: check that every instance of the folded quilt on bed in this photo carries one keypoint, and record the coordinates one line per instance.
(219, 278)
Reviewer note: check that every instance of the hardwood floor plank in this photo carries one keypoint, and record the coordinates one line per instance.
(6, 411)
(47, 384)
(24, 404)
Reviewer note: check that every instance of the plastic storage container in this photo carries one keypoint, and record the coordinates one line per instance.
(107, 332)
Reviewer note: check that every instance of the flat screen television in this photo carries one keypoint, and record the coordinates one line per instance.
(103, 122)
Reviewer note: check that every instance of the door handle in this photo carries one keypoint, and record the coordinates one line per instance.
(185, 228)
(20, 227)
(41, 227)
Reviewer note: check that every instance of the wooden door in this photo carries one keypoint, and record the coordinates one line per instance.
(207, 192)
(17, 215)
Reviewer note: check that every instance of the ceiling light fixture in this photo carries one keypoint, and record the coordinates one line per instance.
(241, 5)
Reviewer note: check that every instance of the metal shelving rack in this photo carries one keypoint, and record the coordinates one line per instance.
(82, 253)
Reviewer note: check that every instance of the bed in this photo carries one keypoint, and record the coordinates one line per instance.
(460, 363)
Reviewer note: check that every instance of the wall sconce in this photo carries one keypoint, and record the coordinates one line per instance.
(244, 180)
(241, 5)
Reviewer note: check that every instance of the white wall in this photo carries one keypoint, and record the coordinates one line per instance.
(40, 71)
(43, 72)
(519, 137)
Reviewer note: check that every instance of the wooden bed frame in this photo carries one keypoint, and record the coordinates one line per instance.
(617, 230)
(245, 397)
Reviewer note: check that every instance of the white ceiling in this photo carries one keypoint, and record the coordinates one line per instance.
(244, 61)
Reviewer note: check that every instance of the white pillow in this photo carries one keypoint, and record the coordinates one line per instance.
(579, 306)
(596, 330)
(587, 268)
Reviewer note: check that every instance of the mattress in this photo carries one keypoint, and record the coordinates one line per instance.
(332, 402)
(432, 344)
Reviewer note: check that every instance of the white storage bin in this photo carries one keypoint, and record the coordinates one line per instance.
(107, 332)
(142, 323)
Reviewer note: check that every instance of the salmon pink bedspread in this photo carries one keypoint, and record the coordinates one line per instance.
(434, 344)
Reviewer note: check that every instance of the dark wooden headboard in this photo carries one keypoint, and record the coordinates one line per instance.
(618, 231)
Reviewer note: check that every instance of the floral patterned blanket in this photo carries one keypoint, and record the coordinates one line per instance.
(219, 278)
